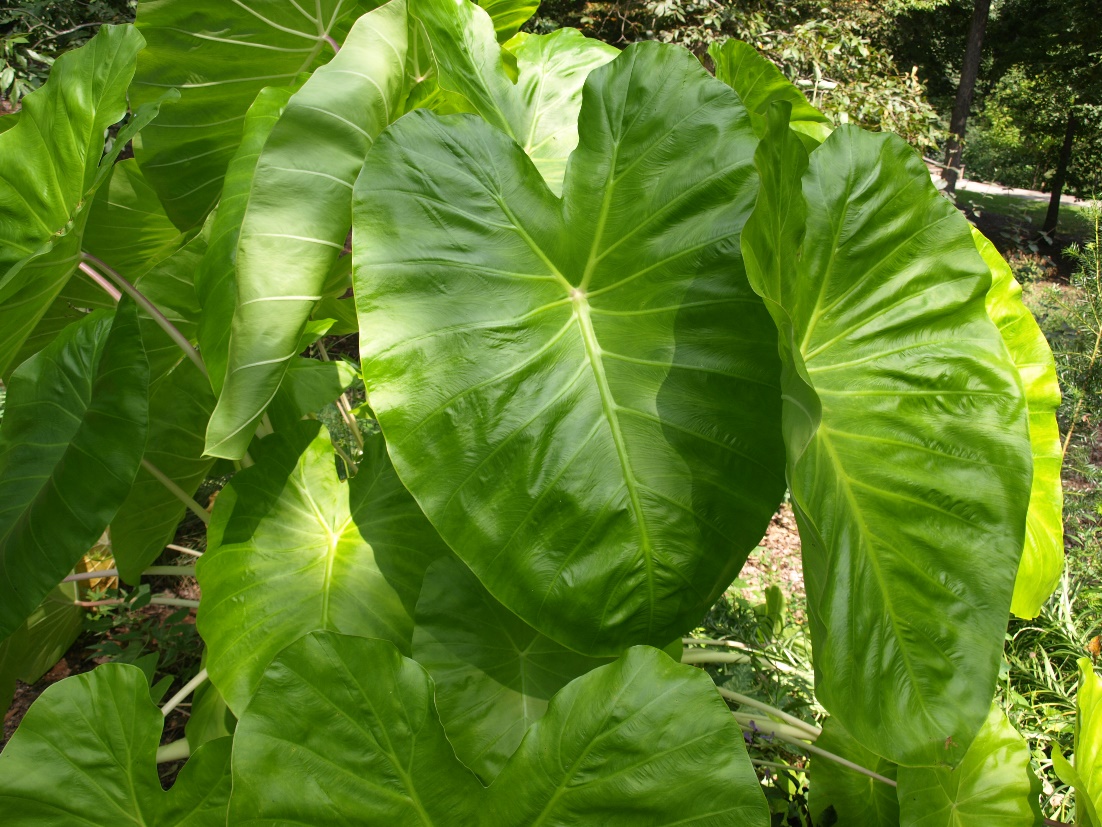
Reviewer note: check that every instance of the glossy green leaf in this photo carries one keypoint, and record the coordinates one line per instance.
(857, 800)
(219, 55)
(73, 433)
(905, 424)
(299, 213)
(41, 641)
(50, 169)
(1043, 557)
(639, 741)
(216, 279)
(993, 786)
(560, 384)
(309, 386)
(494, 674)
(509, 15)
(104, 771)
(759, 83)
(210, 717)
(538, 105)
(127, 226)
(1086, 774)
(297, 550)
(147, 520)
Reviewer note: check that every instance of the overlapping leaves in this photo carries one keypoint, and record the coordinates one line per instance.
(581, 394)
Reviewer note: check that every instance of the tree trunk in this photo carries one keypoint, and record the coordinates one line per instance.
(1053, 214)
(967, 86)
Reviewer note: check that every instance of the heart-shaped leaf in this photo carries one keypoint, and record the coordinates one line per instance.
(74, 430)
(640, 741)
(293, 549)
(494, 674)
(581, 394)
(1043, 555)
(219, 71)
(299, 213)
(993, 786)
(105, 771)
(905, 424)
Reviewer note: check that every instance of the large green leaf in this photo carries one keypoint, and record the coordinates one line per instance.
(297, 550)
(857, 799)
(537, 103)
(509, 15)
(219, 55)
(85, 754)
(147, 520)
(73, 433)
(494, 673)
(127, 226)
(309, 386)
(905, 424)
(41, 641)
(299, 213)
(993, 786)
(581, 394)
(215, 279)
(1086, 774)
(1043, 555)
(759, 83)
(50, 169)
(640, 741)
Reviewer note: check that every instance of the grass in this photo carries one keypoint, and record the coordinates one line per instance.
(1075, 221)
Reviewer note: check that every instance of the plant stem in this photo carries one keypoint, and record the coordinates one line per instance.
(182, 571)
(183, 550)
(797, 738)
(757, 762)
(812, 731)
(168, 327)
(107, 287)
(158, 601)
(333, 43)
(707, 641)
(177, 491)
(176, 751)
(714, 657)
(186, 690)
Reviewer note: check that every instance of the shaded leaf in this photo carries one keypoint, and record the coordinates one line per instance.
(494, 674)
(41, 641)
(641, 740)
(857, 800)
(309, 386)
(255, 44)
(73, 433)
(560, 384)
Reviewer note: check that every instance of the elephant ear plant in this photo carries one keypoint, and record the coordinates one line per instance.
(610, 307)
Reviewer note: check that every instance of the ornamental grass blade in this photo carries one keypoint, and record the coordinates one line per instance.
(1043, 556)
(908, 445)
(73, 434)
(105, 771)
(581, 394)
(294, 549)
(299, 214)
